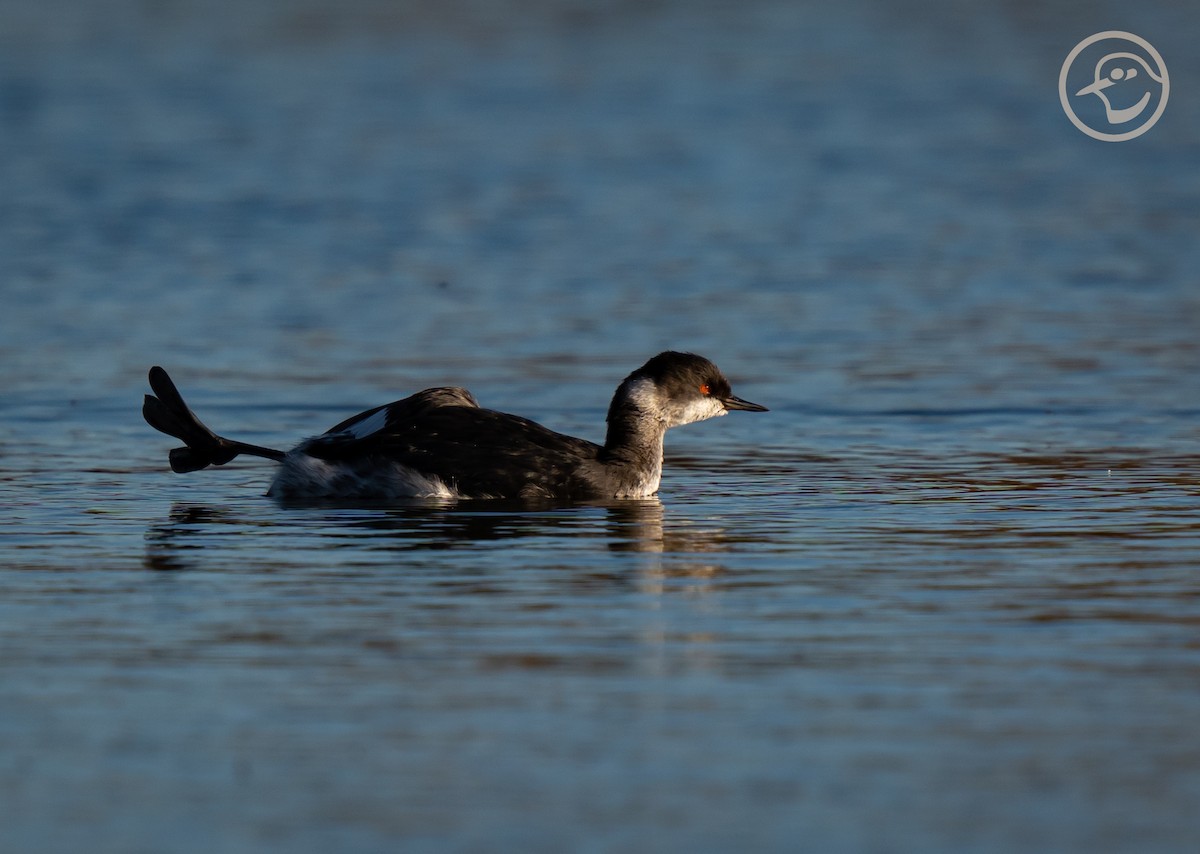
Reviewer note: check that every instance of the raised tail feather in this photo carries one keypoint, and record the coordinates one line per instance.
(168, 414)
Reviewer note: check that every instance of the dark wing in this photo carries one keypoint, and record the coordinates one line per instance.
(477, 452)
(411, 407)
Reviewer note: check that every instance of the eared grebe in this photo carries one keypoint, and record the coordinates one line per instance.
(440, 443)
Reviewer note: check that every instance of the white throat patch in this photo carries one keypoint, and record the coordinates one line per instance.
(644, 394)
(698, 410)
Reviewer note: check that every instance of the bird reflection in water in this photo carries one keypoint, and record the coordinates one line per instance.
(186, 539)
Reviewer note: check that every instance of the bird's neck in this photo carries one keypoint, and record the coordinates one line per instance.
(633, 448)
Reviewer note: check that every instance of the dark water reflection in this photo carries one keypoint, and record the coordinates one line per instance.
(424, 526)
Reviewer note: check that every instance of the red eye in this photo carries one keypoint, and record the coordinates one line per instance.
(704, 388)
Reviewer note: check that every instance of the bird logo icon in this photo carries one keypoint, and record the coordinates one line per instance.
(1126, 82)
(1121, 69)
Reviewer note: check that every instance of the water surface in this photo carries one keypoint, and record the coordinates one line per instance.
(944, 596)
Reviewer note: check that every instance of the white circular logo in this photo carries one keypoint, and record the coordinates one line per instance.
(1114, 86)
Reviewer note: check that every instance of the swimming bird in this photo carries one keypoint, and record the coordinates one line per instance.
(439, 443)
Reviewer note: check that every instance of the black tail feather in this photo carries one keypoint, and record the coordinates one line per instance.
(168, 414)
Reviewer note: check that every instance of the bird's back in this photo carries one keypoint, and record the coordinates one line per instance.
(443, 434)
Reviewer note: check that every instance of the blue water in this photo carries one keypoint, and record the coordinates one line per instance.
(943, 597)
